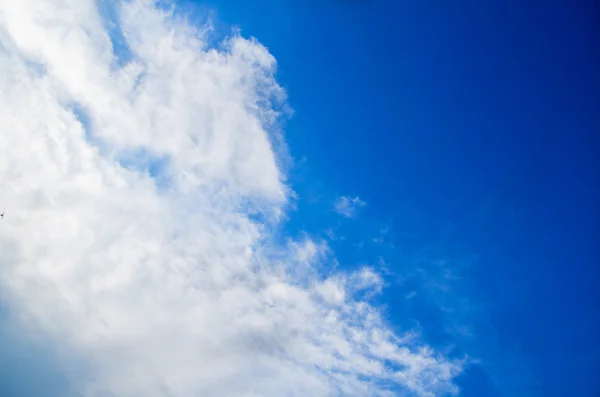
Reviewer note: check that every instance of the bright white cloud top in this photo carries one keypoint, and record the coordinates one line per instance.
(167, 283)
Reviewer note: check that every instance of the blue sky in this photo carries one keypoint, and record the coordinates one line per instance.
(471, 130)
(452, 147)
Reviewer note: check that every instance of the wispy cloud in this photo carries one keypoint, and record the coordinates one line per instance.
(347, 206)
(164, 280)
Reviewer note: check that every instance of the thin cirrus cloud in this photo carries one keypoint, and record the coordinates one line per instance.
(348, 206)
(131, 241)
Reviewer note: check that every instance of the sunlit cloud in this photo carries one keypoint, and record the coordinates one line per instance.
(141, 194)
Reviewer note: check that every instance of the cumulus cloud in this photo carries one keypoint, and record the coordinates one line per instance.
(140, 195)
(347, 206)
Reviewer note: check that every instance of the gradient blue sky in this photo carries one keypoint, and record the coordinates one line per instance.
(471, 130)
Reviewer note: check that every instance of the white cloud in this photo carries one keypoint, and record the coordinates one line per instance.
(347, 206)
(177, 289)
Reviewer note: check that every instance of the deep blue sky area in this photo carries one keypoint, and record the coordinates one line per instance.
(472, 131)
